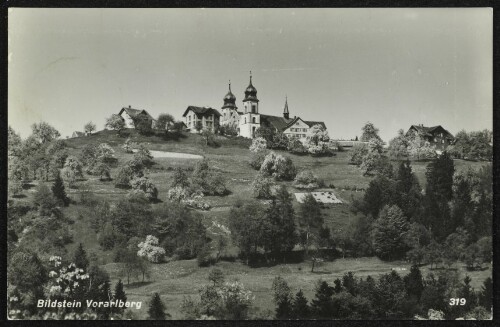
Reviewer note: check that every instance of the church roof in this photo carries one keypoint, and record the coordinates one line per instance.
(281, 123)
(229, 99)
(202, 111)
(250, 92)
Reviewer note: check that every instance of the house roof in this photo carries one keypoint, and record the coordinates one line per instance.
(78, 134)
(202, 111)
(135, 112)
(430, 131)
(312, 123)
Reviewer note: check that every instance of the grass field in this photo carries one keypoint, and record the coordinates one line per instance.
(174, 280)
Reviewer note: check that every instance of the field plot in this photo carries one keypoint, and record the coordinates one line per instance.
(320, 197)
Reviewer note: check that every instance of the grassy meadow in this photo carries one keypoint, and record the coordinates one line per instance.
(176, 279)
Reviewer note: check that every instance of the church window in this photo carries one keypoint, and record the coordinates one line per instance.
(253, 120)
(245, 120)
(254, 108)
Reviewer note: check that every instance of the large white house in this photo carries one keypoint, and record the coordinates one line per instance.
(249, 120)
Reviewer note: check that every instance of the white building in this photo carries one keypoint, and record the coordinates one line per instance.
(131, 116)
(200, 118)
(249, 120)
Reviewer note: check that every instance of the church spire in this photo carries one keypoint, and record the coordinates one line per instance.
(250, 77)
(286, 113)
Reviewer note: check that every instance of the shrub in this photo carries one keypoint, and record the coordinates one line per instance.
(143, 155)
(261, 187)
(127, 146)
(278, 166)
(357, 154)
(177, 194)
(122, 179)
(306, 179)
(150, 249)
(204, 257)
(145, 185)
(258, 144)
(295, 146)
(206, 180)
(257, 159)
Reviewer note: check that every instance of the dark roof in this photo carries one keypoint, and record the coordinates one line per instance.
(312, 123)
(280, 123)
(430, 131)
(202, 111)
(134, 112)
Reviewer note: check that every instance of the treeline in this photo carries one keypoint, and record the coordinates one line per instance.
(389, 297)
(449, 220)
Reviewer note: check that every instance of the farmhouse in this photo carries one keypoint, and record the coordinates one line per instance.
(436, 135)
(199, 118)
(78, 134)
(132, 116)
(249, 120)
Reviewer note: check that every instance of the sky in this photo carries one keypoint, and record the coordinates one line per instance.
(392, 67)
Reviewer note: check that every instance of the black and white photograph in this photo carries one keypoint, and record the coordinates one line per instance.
(250, 164)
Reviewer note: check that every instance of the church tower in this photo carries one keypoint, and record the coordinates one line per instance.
(286, 113)
(229, 109)
(250, 120)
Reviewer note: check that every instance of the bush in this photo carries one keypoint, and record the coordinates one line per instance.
(206, 180)
(306, 180)
(295, 146)
(143, 155)
(278, 166)
(150, 249)
(357, 154)
(204, 257)
(145, 185)
(261, 187)
(257, 159)
(122, 179)
(258, 144)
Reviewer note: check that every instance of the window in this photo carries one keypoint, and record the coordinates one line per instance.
(253, 120)
(245, 120)
(254, 108)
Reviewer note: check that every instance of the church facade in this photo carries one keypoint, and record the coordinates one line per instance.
(248, 120)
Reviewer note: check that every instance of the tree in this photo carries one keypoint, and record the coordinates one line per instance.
(438, 192)
(72, 170)
(14, 142)
(398, 146)
(163, 122)
(408, 195)
(282, 298)
(370, 161)
(59, 191)
(358, 152)
(414, 282)
(216, 276)
(89, 127)
(124, 176)
(119, 295)
(209, 137)
(310, 221)
(80, 257)
(150, 249)
(486, 294)
(44, 200)
(317, 140)
(322, 304)
(261, 187)
(280, 233)
(144, 185)
(369, 132)
(388, 233)
(278, 166)
(420, 148)
(44, 133)
(258, 144)
(180, 178)
(205, 179)
(115, 122)
(156, 309)
(300, 309)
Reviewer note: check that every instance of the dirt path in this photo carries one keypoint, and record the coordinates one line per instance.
(165, 154)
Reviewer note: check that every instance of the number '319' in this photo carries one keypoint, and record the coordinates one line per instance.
(457, 301)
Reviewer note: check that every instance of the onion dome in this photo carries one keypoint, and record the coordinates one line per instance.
(251, 92)
(229, 99)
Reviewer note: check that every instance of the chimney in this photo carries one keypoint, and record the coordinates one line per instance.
(129, 106)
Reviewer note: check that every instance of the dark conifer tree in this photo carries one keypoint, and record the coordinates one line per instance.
(80, 258)
(486, 295)
(322, 304)
(414, 283)
(59, 191)
(338, 286)
(156, 309)
(300, 308)
(119, 295)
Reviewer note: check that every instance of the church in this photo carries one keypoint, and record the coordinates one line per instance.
(249, 119)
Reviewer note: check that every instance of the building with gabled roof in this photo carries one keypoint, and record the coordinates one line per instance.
(200, 118)
(435, 135)
(131, 116)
